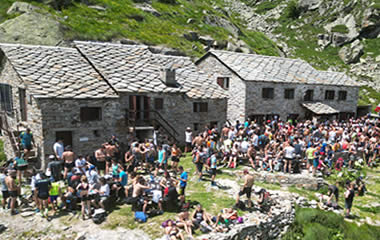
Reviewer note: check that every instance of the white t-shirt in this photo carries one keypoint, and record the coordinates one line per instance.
(105, 189)
(188, 137)
(58, 148)
(80, 163)
(289, 152)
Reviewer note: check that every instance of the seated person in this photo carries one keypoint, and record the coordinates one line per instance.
(183, 221)
(138, 192)
(263, 197)
(69, 199)
(201, 218)
(103, 193)
(173, 232)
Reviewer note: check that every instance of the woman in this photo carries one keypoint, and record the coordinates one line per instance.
(183, 221)
(173, 232)
(82, 189)
(201, 218)
(176, 154)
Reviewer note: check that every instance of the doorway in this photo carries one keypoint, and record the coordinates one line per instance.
(139, 108)
(23, 109)
(65, 136)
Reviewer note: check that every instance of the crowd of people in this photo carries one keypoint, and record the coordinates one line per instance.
(150, 177)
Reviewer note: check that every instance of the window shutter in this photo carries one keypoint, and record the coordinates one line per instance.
(219, 80)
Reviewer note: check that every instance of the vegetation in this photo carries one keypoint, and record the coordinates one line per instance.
(3, 157)
(366, 94)
(341, 28)
(316, 224)
(265, 6)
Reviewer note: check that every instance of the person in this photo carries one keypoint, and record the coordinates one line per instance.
(104, 193)
(123, 179)
(162, 160)
(289, 153)
(58, 149)
(68, 157)
(81, 164)
(173, 232)
(36, 176)
(310, 153)
(247, 188)
(213, 168)
(54, 193)
(42, 190)
(188, 139)
(27, 142)
(138, 192)
(54, 168)
(349, 198)
(226, 217)
(183, 221)
(199, 160)
(201, 218)
(251, 153)
(111, 152)
(333, 190)
(175, 156)
(20, 165)
(83, 189)
(13, 190)
(182, 184)
(4, 188)
(100, 156)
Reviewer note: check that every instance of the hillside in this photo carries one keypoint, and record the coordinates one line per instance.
(339, 35)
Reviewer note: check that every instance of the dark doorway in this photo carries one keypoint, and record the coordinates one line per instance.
(139, 107)
(66, 136)
(23, 109)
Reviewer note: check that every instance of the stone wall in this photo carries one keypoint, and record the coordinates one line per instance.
(236, 91)
(9, 76)
(255, 104)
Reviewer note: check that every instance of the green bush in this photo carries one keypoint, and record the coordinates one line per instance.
(292, 11)
(168, 1)
(265, 6)
(341, 28)
(3, 157)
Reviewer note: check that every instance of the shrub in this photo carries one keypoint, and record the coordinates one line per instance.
(168, 1)
(3, 157)
(341, 28)
(292, 11)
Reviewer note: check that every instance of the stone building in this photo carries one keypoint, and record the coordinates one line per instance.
(261, 87)
(86, 93)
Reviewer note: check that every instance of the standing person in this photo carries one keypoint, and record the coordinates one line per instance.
(188, 139)
(199, 160)
(68, 157)
(13, 190)
(213, 163)
(111, 152)
(176, 154)
(247, 188)
(100, 156)
(289, 153)
(310, 155)
(81, 164)
(4, 188)
(162, 159)
(182, 184)
(58, 149)
(83, 189)
(27, 142)
(54, 193)
(349, 198)
(333, 190)
(42, 188)
(21, 165)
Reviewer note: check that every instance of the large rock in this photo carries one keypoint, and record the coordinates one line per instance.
(370, 24)
(31, 28)
(309, 5)
(340, 39)
(352, 53)
(221, 22)
(21, 7)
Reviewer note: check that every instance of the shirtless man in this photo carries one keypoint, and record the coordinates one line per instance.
(225, 131)
(12, 189)
(252, 155)
(138, 191)
(247, 188)
(111, 151)
(198, 140)
(68, 158)
(100, 156)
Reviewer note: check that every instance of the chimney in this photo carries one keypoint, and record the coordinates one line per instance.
(168, 77)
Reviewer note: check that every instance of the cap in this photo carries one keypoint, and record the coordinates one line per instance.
(51, 156)
(188, 128)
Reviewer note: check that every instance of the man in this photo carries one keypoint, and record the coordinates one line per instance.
(162, 160)
(333, 190)
(349, 198)
(27, 140)
(289, 153)
(68, 157)
(111, 151)
(188, 139)
(100, 156)
(58, 149)
(54, 168)
(247, 188)
(4, 188)
(12, 189)
(123, 179)
(81, 164)
(252, 156)
(310, 155)
(138, 191)
(213, 163)
(104, 192)
(43, 187)
(182, 184)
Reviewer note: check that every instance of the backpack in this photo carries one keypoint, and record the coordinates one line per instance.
(99, 216)
(140, 217)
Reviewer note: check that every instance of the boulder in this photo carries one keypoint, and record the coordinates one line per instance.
(309, 5)
(206, 40)
(166, 51)
(339, 39)
(97, 7)
(31, 28)
(191, 36)
(221, 22)
(352, 53)
(370, 27)
(148, 9)
(21, 7)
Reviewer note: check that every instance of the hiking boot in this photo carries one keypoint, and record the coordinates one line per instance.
(14, 212)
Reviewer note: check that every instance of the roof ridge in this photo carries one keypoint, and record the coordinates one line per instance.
(34, 46)
(112, 44)
(266, 56)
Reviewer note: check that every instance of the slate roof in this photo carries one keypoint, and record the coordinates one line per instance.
(253, 67)
(134, 68)
(56, 72)
(320, 108)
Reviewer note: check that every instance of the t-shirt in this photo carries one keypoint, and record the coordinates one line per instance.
(161, 156)
(188, 137)
(58, 148)
(289, 152)
(105, 189)
(42, 186)
(310, 153)
(80, 163)
(184, 177)
(213, 161)
(350, 197)
(26, 138)
(2, 182)
(124, 178)
(54, 190)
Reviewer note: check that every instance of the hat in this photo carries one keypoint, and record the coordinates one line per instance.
(245, 171)
(51, 156)
(188, 129)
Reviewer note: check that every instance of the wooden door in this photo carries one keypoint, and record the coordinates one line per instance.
(132, 107)
(23, 104)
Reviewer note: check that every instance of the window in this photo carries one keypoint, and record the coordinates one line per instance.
(224, 82)
(309, 95)
(200, 107)
(90, 114)
(158, 103)
(342, 95)
(289, 93)
(196, 126)
(6, 98)
(329, 95)
(268, 93)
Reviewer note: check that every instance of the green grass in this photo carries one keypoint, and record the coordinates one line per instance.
(341, 28)
(3, 157)
(366, 93)
(265, 6)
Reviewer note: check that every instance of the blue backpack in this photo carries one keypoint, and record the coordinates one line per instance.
(140, 217)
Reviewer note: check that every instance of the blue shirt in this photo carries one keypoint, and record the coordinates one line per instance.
(124, 178)
(26, 138)
(213, 161)
(184, 177)
(161, 156)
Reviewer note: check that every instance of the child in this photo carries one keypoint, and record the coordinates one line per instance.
(54, 192)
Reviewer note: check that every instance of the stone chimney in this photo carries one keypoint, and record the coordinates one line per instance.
(168, 77)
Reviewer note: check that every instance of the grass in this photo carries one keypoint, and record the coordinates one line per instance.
(341, 28)
(365, 94)
(265, 6)
(3, 157)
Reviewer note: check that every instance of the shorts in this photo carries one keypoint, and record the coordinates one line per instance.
(85, 198)
(69, 166)
(162, 165)
(199, 166)
(13, 194)
(288, 159)
(310, 161)
(53, 198)
(150, 160)
(43, 196)
(22, 168)
(348, 205)
(5, 194)
(213, 171)
(315, 162)
(175, 159)
(188, 144)
(109, 159)
(27, 146)
(182, 191)
(101, 165)
(247, 191)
